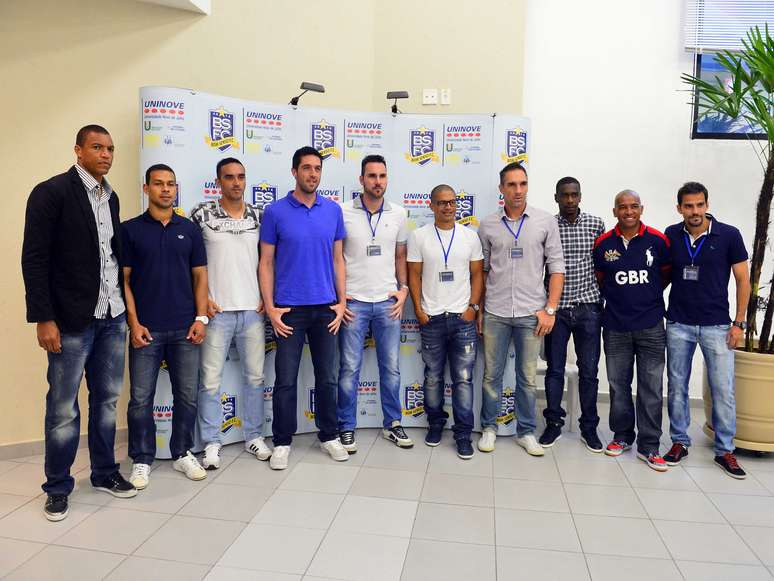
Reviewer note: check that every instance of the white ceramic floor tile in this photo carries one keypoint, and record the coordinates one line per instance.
(447, 522)
(456, 489)
(320, 478)
(219, 573)
(517, 465)
(29, 524)
(530, 495)
(693, 571)
(10, 502)
(85, 493)
(760, 540)
(640, 476)
(66, 564)
(7, 465)
(376, 516)
(540, 565)
(386, 455)
(448, 561)
(612, 568)
(113, 530)
(24, 480)
(604, 500)
(384, 483)
(713, 479)
(273, 548)
(298, 508)
(745, 510)
(227, 502)
(444, 459)
(251, 472)
(13, 553)
(535, 530)
(162, 495)
(136, 568)
(684, 505)
(194, 540)
(580, 472)
(765, 477)
(624, 537)
(372, 557)
(717, 543)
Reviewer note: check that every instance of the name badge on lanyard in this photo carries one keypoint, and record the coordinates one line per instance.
(373, 249)
(446, 275)
(692, 272)
(515, 252)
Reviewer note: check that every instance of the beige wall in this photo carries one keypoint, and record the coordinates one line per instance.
(61, 69)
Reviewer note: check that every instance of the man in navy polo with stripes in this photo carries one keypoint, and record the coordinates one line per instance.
(632, 266)
(704, 253)
(302, 278)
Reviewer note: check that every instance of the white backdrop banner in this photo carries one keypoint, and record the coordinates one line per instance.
(192, 131)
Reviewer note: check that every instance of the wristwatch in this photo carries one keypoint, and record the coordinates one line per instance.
(203, 319)
(550, 311)
(741, 324)
(473, 306)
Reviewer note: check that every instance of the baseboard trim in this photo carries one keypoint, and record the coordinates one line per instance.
(37, 447)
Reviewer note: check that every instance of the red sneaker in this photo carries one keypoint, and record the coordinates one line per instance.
(617, 447)
(654, 461)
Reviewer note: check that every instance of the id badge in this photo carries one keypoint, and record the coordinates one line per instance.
(373, 250)
(517, 253)
(446, 276)
(691, 273)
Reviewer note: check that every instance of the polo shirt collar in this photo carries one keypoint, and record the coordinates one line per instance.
(296, 204)
(526, 212)
(148, 218)
(357, 203)
(709, 228)
(640, 232)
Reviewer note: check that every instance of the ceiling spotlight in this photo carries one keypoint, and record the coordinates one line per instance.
(314, 87)
(396, 95)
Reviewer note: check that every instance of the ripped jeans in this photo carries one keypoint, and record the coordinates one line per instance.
(448, 335)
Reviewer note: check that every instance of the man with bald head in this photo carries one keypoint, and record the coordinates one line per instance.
(632, 266)
(445, 270)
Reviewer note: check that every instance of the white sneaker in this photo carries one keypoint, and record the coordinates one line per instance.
(335, 450)
(279, 458)
(211, 460)
(486, 443)
(530, 444)
(190, 466)
(140, 476)
(258, 447)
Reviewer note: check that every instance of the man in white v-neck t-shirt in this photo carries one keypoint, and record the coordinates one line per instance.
(445, 265)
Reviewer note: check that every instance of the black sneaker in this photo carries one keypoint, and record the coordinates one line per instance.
(464, 449)
(116, 485)
(433, 437)
(347, 438)
(397, 436)
(676, 453)
(592, 442)
(730, 466)
(56, 508)
(550, 435)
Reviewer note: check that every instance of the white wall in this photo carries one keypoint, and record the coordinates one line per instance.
(602, 86)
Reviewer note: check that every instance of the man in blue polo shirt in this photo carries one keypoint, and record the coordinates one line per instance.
(704, 253)
(632, 266)
(165, 282)
(302, 281)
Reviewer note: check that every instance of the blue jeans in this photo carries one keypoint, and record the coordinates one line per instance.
(449, 336)
(622, 349)
(498, 333)
(247, 330)
(681, 343)
(310, 321)
(182, 359)
(99, 351)
(386, 332)
(584, 323)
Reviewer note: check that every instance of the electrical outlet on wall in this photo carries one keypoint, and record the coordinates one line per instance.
(429, 96)
(446, 96)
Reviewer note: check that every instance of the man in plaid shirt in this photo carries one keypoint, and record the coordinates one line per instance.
(579, 315)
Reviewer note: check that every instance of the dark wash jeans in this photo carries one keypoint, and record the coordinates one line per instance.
(182, 359)
(310, 321)
(99, 351)
(584, 324)
(622, 349)
(449, 336)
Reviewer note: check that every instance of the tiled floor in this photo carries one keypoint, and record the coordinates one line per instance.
(391, 514)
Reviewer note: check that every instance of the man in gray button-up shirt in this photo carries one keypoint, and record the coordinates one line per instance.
(520, 244)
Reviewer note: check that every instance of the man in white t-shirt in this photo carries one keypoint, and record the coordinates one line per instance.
(375, 255)
(445, 267)
(230, 229)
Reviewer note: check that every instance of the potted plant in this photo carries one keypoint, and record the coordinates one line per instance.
(749, 97)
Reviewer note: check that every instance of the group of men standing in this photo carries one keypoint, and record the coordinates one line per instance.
(324, 273)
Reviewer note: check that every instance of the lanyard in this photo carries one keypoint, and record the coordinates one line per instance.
(370, 215)
(691, 253)
(516, 235)
(446, 251)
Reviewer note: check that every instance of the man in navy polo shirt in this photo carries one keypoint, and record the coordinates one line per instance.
(165, 281)
(632, 266)
(704, 253)
(302, 281)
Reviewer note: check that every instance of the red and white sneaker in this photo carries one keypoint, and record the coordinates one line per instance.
(654, 461)
(617, 447)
